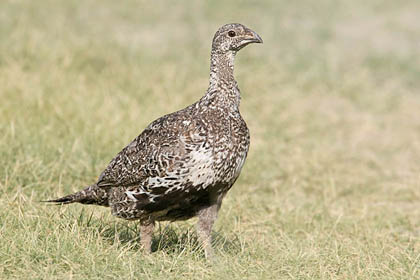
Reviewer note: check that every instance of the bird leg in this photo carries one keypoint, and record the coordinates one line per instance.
(206, 218)
(146, 233)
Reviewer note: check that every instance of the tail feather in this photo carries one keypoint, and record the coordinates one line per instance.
(90, 195)
(63, 200)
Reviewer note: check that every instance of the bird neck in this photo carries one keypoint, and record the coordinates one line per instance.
(221, 68)
(223, 86)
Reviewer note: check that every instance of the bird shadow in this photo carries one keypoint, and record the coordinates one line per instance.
(170, 238)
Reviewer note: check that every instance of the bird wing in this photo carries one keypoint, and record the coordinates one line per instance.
(168, 166)
(164, 158)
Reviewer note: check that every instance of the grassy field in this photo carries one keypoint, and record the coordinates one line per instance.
(331, 186)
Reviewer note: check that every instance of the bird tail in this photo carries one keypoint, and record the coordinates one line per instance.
(90, 195)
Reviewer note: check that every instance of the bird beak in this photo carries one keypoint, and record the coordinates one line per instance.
(257, 38)
(253, 37)
(248, 38)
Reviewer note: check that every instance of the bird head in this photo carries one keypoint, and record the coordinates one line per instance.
(233, 37)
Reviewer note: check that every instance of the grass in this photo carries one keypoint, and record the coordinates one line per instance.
(331, 187)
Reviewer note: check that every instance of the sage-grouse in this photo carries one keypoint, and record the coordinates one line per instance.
(182, 164)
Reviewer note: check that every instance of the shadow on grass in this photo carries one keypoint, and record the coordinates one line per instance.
(168, 237)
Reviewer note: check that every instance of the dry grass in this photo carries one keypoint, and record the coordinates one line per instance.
(331, 187)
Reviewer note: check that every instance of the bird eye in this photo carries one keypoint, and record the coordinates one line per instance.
(231, 33)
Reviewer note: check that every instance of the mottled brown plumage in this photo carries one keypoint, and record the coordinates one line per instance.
(183, 163)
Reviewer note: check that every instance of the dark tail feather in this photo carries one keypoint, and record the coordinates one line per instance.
(91, 195)
(64, 200)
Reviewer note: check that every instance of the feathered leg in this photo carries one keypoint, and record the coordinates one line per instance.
(146, 234)
(206, 218)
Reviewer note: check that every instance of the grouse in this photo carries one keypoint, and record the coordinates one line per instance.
(183, 164)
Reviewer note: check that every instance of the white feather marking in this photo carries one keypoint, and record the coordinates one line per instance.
(201, 167)
(130, 195)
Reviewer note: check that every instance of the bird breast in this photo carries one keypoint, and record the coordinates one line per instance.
(201, 166)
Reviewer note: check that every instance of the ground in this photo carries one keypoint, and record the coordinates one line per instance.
(331, 186)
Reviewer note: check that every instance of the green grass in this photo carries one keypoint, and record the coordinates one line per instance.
(331, 186)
